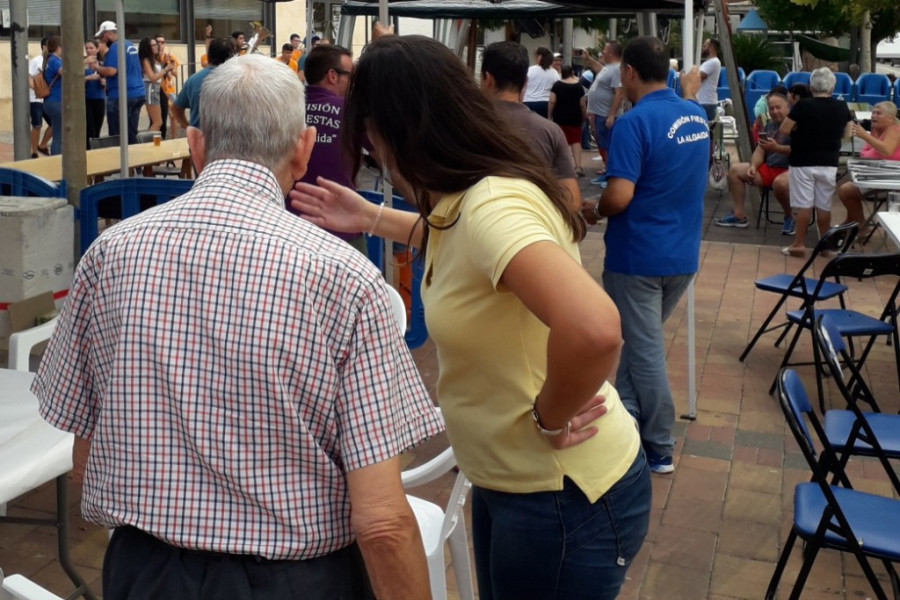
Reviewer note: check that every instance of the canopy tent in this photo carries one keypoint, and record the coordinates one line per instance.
(823, 51)
(511, 9)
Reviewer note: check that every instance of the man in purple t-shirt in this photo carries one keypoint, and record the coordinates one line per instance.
(327, 72)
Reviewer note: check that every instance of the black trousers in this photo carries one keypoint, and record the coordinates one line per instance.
(96, 110)
(138, 566)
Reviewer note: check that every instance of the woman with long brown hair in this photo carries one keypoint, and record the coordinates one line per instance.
(525, 337)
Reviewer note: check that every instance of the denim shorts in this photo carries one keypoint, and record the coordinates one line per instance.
(36, 112)
(549, 545)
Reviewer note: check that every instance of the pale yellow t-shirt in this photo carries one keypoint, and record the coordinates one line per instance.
(492, 351)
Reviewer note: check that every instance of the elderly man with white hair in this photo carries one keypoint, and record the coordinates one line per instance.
(816, 126)
(241, 381)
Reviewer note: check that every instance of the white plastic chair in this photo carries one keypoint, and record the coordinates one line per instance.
(438, 526)
(398, 308)
(21, 343)
(17, 587)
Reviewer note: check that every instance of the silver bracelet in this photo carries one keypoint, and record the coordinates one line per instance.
(371, 231)
(540, 425)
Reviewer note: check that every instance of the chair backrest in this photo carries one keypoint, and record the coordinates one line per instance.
(17, 587)
(874, 84)
(131, 195)
(836, 240)
(843, 86)
(863, 266)
(145, 137)
(21, 343)
(762, 80)
(398, 308)
(795, 77)
(795, 404)
(417, 332)
(103, 142)
(20, 183)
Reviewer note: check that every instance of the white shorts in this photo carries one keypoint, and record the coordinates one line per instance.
(812, 186)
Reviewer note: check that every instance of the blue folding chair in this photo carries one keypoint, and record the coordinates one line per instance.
(19, 183)
(851, 432)
(829, 516)
(847, 322)
(128, 197)
(417, 332)
(837, 239)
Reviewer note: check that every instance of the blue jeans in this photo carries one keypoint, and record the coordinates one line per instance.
(134, 114)
(548, 545)
(53, 111)
(644, 304)
(585, 136)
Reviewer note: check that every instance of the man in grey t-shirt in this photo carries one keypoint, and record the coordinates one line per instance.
(504, 68)
(605, 96)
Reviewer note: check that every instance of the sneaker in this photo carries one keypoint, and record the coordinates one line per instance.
(789, 228)
(660, 464)
(730, 220)
(599, 180)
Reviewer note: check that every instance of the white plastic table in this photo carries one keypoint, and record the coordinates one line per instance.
(32, 453)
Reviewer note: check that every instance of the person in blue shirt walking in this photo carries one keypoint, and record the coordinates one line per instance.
(654, 201)
(53, 103)
(108, 34)
(219, 50)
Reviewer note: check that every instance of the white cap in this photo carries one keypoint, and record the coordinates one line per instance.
(106, 26)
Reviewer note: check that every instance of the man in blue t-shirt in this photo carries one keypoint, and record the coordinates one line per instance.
(220, 50)
(134, 87)
(654, 201)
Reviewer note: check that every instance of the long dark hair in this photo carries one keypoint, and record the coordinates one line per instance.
(442, 133)
(145, 51)
(544, 56)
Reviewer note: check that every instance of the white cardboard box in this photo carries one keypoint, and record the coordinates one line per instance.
(37, 237)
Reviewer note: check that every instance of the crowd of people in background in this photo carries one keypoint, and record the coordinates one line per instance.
(151, 73)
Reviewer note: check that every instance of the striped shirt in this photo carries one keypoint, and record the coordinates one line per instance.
(230, 363)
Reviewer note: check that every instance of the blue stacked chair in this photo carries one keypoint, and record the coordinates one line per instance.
(873, 88)
(722, 88)
(795, 77)
(844, 88)
(19, 183)
(130, 196)
(759, 83)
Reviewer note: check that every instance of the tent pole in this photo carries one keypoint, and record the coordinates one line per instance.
(686, 51)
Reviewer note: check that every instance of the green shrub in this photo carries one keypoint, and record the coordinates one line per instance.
(754, 52)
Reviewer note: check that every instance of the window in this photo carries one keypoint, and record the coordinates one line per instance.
(144, 18)
(43, 18)
(225, 17)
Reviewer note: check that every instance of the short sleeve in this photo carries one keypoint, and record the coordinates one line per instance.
(502, 219)
(112, 57)
(383, 408)
(563, 163)
(64, 384)
(625, 150)
(183, 99)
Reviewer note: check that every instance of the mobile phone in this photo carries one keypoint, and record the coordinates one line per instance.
(764, 136)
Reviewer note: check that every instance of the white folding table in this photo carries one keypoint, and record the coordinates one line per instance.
(32, 453)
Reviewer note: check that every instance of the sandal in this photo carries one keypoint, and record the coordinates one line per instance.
(795, 252)
(45, 150)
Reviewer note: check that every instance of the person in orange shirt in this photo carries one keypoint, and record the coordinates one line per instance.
(296, 50)
(287, 57)
(167, 84)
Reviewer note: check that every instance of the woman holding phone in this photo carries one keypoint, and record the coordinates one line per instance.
(525, 337)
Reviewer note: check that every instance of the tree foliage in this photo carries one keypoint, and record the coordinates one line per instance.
(825, 16)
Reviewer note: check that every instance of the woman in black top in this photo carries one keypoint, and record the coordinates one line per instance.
(567, 108)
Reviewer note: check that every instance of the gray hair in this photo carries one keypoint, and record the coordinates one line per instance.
(821, 81)
(254, 109)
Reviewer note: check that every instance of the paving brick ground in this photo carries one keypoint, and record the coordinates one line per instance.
(718, 523)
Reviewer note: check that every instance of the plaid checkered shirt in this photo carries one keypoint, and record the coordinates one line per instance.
(230, 363)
